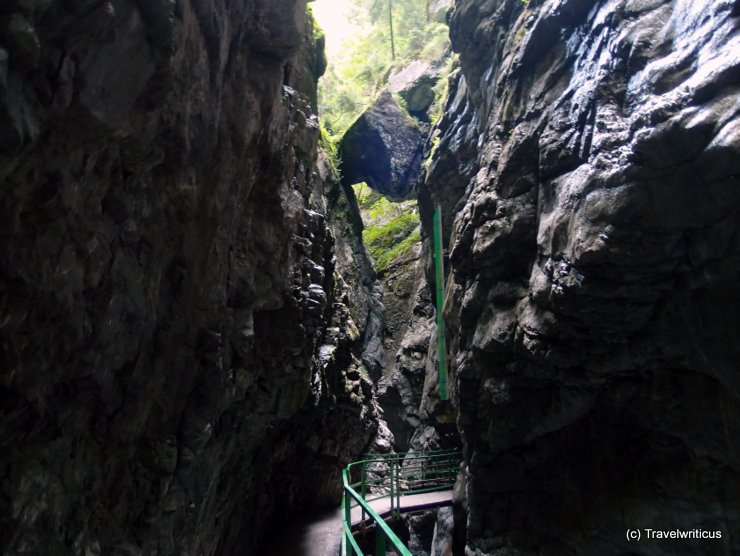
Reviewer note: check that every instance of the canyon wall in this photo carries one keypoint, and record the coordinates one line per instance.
(587, 170)
(179, 347)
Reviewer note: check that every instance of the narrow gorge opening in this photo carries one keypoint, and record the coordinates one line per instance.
(219, 307)
(383, 91)
(379, 98)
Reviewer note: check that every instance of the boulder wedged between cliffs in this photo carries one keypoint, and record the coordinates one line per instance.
(383, 148)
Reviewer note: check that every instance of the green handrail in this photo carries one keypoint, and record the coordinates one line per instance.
(395, 475)
(382, 530)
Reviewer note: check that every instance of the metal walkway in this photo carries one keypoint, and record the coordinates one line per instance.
(408, 503)
(388, 484)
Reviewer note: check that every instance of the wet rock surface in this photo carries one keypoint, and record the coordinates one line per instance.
(177, 339)
(421, 532)
(587, 170)
(364, 291)
(400, 391)
(191, 326)
(383, 148)
(442, 539)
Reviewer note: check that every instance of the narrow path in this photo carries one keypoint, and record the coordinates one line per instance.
(408, 503)
(317, 534)
(320, 533)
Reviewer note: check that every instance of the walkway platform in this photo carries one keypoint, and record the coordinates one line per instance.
(409, 503)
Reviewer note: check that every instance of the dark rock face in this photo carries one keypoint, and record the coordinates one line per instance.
(421, 532)
(364, 298)
(408, 392)
(383, 148)
(409, 317)
(444, 529)
(587, 167)
(177, 345)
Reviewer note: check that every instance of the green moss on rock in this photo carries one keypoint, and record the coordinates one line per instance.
(387, 242)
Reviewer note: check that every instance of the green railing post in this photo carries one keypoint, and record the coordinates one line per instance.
(424, 472)
(439, 266)
(399, 469)
(347, 503)
(392, 481)
(363, 487)
(379, 542)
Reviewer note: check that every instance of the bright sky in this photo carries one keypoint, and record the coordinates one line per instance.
(333, 15)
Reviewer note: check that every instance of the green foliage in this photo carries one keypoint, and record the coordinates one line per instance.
(356, 76)
(442, 88)
(376, 209)
(382, 209)
(388, 241)
(330, 147)
(316, 31)
(385, 259)
(372, 204)
(346, 90)
(391, 228)
(435, 145)
(409, 25)
(436, 41)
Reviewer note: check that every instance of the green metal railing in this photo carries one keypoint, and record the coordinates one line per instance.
(391, 476)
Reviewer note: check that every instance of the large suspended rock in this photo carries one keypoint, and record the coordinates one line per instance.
(382, 148)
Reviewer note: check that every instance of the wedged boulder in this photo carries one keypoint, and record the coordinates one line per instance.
(415, 82)
(382, 148)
